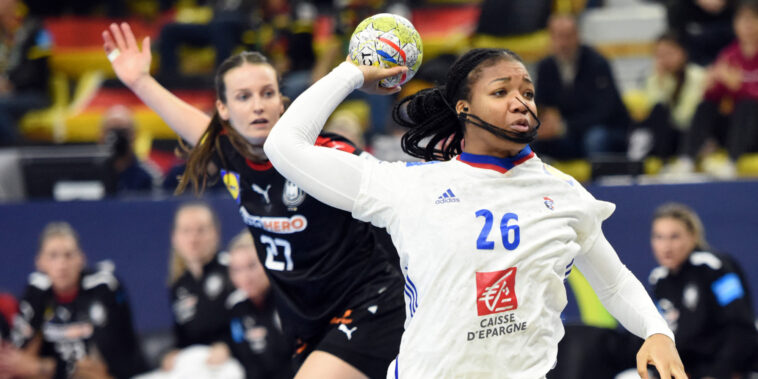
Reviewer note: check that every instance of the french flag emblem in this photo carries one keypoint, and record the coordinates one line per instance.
(549, 203)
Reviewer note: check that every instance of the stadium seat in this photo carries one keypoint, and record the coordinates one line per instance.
(42, 124)
(747, 165)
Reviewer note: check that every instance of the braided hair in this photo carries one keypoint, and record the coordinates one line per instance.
(435, 131)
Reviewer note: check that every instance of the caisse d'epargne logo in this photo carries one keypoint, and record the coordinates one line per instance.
(496, 292)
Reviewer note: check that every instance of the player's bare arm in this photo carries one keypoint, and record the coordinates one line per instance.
(132, 66)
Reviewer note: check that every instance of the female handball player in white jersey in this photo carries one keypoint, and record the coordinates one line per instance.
(333, 285)
(486, 232)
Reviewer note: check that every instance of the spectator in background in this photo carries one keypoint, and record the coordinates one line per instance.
(581, 109)
(24, 73)
(126, 172)
(74, 322)
(703, 296)
(673, 89)
(199, 283)
(705, 26)
(256, 336)
(729, 111)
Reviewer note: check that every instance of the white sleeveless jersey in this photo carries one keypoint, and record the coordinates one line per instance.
(485, 245)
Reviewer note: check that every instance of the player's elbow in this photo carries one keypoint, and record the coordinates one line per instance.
(271, 146)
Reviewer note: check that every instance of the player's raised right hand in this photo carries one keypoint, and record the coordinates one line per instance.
(373, 75)
(130, 63)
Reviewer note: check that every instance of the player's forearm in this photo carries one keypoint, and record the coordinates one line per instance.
(331, 176)
(186, 120)
(620, 291)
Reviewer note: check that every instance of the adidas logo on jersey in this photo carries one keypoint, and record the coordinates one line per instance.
(447, 197)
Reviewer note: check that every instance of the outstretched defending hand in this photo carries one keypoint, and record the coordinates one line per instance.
(659, 350)
(372, 75)
(129, 62)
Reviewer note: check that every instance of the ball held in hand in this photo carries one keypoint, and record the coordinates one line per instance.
(387, 40)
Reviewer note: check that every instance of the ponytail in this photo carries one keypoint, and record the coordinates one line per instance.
(199, 158)
(429, 116)
(199, 171)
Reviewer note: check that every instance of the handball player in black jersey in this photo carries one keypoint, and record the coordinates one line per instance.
(73, 321)
(199, 281)
(255, 337)
(703, 295)
(335, 290)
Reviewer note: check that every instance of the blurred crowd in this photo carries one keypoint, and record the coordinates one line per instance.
(700, 96)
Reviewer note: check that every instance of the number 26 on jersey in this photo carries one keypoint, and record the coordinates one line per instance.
(509, 231)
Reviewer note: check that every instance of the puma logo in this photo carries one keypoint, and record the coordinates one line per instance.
(263, 192)
(348, 332)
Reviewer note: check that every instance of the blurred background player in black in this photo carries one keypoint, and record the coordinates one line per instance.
(199, 282)
(256, 338)
(73, 321)
(703, 296)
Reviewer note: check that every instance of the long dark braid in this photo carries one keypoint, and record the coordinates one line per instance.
(430, 114)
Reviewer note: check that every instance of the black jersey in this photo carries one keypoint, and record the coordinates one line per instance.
(707, 305)
(200, 314)
(318, 258)
(97, 321)
(256, 339)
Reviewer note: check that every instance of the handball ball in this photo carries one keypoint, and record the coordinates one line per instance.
(387, 40)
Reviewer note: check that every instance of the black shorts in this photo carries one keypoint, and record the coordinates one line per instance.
(367, 335)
